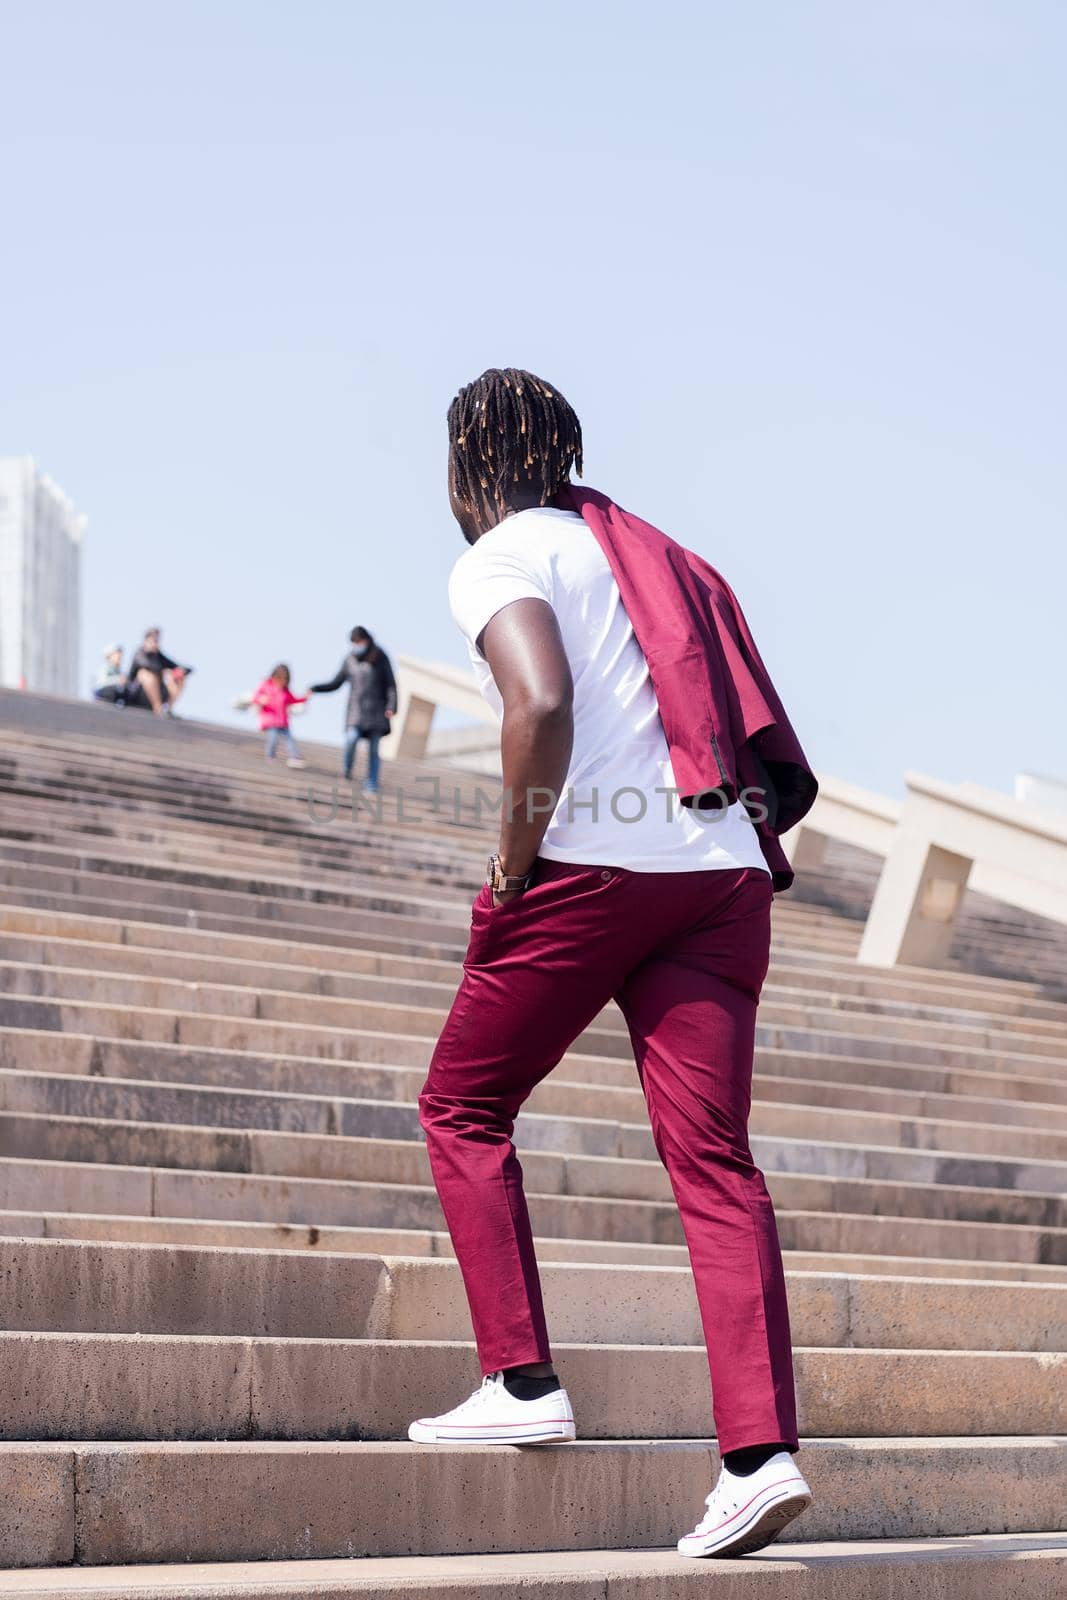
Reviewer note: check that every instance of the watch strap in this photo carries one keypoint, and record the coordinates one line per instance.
(504, 883)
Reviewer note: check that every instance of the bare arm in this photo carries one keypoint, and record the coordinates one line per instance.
(525, 653)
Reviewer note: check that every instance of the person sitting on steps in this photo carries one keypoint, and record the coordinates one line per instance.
(110, 682)
(155, 681)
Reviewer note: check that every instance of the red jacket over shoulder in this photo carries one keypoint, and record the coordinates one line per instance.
(725, 726)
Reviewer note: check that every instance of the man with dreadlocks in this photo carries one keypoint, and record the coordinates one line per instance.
(648, 770)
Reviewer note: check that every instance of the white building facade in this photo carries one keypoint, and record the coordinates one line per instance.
(40, 581)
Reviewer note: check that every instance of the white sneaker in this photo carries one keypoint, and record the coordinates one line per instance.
(296, 763)
(493, 1416)
(744, 1514)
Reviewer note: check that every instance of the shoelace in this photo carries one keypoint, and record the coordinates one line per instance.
(480, 1396)
(717, 1502)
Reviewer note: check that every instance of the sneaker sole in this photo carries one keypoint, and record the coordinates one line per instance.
(762, 1528)
(549, 1433)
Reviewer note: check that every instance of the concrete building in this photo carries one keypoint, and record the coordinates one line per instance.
(40, 590)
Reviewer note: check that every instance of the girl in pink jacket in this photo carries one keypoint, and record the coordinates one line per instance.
(274, 697)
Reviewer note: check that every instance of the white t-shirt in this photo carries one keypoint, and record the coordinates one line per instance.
(610, 813)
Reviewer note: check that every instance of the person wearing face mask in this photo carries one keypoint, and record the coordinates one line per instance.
(371, 701)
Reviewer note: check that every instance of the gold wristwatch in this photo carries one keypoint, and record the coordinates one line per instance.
(499, 881)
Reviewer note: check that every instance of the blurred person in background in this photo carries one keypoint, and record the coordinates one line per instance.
(155, 681)
(110, 684)
(368, 673)
(273, 698)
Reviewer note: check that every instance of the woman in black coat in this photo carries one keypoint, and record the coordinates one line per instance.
(371, 700)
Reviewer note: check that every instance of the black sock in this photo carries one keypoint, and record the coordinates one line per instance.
(521, 1387)
(742, 1463)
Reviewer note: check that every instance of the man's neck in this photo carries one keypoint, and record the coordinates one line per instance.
(525, 500)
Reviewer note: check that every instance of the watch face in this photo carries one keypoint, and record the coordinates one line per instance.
(490, 869)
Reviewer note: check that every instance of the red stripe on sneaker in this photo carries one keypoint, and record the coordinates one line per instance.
(741, 1509)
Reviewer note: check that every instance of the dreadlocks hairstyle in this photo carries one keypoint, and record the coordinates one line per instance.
(508, 428)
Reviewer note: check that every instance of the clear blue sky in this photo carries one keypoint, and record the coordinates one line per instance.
(800, 269)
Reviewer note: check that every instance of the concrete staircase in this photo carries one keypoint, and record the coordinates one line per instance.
(224, 1285)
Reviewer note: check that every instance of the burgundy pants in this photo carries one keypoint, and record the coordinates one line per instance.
(684, 955)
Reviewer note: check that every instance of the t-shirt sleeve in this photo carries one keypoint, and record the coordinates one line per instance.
(484, 585)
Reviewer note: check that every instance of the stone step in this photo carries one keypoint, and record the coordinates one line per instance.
(950, 1016)
(65, 730)
(799, 1174)
(220, 1013)
(87, 931)
(916, 992)
(106, 754)
(838, 1094)
(69, 941)
(822, 976)
(954, 1081)
(103, 1187)
(256, 952)
(203, 966)
(789, 1107)
(425, 1242)
(249, 825)
(394, 905)
(215, 839)
(1024, 1566)
(775, 1081)
(74, 1286)
(383, 904)
(911, 1052)
(114, 905)
(57, 1386)
(345, 949)
(81, 1054)
(561, 1115)
(581, 1086)
(251, 807)
(259, 834)
(996, 997)
(379, 913)
(159, 1501)
(207, 834)
(842, 1230)
(225, 1002)
(270, 1022)
(236, 781)
(189, 788)
(261, 922)
(147, 896)
(412, 1242)
(249, 817)
(901, 1034)
(255, 1035)
(391, 981)
(75, 834)
(428, 887)
(383, 1008)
